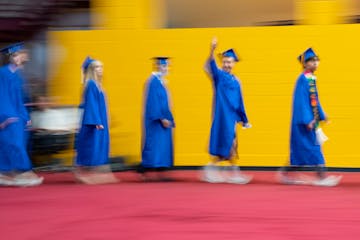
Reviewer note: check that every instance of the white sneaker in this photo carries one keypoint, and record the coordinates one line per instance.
(23, 182)
(292, 181)
(212, 176)
(240, 179)
(330, 181)
(6, 182)
(301, 180)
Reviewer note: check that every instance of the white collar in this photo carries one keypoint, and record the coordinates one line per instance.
(13, 68)
(159, 76)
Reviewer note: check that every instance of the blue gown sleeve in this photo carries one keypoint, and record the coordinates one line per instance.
(170, 117)
(91, 115)
(153, 102)
(21, 109)
(214, 71)
(322, 114)
(302, 107)
(241, 110)
(157, 107)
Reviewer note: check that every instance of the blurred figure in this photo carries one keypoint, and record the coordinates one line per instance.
(306, 135)
(157, 152)
(44, 118)
(52, 131)
(15, 165)
(92, 142)
(228, 110)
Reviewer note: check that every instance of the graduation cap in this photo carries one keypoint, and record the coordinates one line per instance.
(308, 54)
(161, 60)
(230, 53)
(13, 48)
(88, 60)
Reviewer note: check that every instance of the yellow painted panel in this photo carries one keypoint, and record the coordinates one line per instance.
(268, 71)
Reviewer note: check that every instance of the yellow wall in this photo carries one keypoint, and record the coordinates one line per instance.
(268, 71)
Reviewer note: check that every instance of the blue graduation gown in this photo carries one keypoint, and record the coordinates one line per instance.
(157, 149)
(228, 110)
(93, 145)
(303, 148)
(13, 155)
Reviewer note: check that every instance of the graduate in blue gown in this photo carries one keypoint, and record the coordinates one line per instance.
(306, 134)
(15, 165)
(157, 149)
(228, 110)
(92, 142)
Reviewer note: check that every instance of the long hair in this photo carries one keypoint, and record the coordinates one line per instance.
(89, 73)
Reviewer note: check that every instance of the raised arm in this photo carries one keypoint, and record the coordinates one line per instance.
(210, 66)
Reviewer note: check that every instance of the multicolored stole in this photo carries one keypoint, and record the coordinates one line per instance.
(314, 102)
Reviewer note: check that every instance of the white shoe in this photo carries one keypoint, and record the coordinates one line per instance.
(6, 182)
(292, 181)
(295, 182)
(302, 180)
(213, 179)
(212, 176)
(330, 181)
(23, 182)
(240, 179)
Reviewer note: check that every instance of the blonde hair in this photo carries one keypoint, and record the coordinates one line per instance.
(89, 73)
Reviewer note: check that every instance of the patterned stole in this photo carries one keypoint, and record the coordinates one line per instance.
(314, 102)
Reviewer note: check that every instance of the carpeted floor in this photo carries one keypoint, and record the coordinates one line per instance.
(185, 209)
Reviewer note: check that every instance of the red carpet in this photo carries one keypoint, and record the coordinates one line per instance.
(187, 209)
